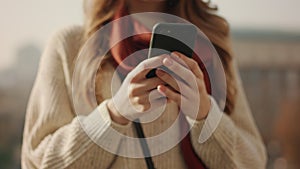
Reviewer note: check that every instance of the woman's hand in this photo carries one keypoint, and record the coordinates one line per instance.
(137, 95)
(181, 88)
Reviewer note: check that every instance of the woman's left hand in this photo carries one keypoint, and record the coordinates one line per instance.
(186, 86)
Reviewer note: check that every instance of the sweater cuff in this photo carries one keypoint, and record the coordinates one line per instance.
(209, 125)
(214, 109)
(102, 130)
(118, 127)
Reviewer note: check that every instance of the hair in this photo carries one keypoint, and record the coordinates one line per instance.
(200, 13)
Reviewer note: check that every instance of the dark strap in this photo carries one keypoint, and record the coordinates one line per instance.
(144, 145)
(190, 157)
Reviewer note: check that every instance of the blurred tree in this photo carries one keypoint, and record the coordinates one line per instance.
(15, 85)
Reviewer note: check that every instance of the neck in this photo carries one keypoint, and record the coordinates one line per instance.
(136, 6)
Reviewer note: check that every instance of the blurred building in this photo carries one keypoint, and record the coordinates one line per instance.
(15, 85)
(269, 64)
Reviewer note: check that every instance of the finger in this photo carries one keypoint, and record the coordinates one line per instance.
(176, 97)
(167, 78)
(202, 86)
(182, 72)
(146, 85)
(144, 67)
(148, 97)
(194, 67)
(152, 83)
(176, 84)
(191, 63)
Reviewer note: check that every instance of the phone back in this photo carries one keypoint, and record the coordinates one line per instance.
(169, 37)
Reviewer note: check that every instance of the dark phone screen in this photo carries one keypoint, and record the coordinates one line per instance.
(168, 38)
(165, 45)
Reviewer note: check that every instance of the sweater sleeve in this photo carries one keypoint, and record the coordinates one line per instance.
(235, 142)
(53, 135)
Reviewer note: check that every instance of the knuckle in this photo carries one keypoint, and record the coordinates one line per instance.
(201, 86)
(190, 73)
(143, 107)
(139, 100)
(201, 75)
(132, 91)
(194, 64)
(135, 100)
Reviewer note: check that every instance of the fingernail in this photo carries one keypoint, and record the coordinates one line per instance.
(167, 62)
(174, 54)
(161, 88)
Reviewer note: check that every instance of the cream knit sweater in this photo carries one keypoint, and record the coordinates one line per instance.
(54, 138)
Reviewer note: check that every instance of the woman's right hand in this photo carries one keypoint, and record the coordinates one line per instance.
(137, 95)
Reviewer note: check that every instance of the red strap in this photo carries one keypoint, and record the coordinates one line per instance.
(191, 159)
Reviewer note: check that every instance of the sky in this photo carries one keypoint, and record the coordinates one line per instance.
(34, 21)
(262, 14)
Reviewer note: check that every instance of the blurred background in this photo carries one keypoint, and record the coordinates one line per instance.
(265, 39)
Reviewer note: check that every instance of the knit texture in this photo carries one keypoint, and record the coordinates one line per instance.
(54, 137)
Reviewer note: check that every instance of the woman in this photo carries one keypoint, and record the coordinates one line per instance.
(54, 138)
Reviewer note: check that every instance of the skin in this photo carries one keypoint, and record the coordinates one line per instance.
(164, 85)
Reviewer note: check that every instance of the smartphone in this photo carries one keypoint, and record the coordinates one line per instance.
(169, 37)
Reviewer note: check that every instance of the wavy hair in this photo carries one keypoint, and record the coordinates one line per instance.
(200, 13)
